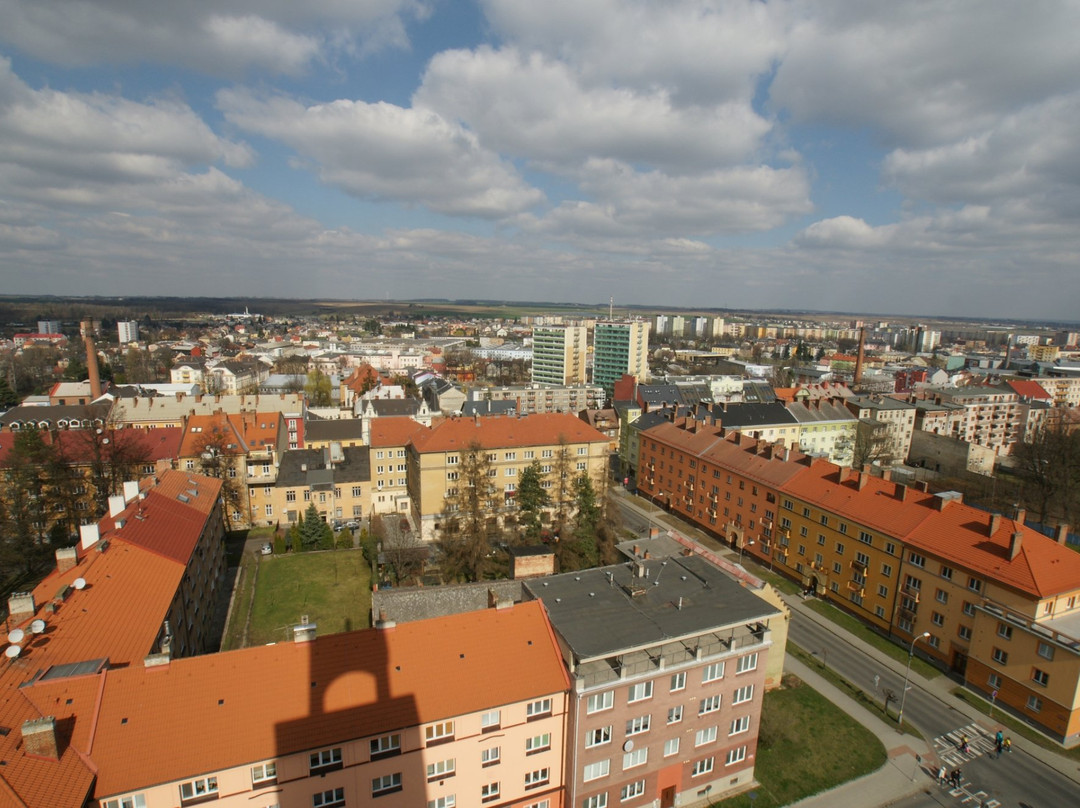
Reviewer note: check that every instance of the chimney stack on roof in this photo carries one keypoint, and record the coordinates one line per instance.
(21, 605)
(864, 479)
(1014, 544)
(901, 492)
(1062, 534)
(39, 738)
(88, 536)
(995, 523)
(1019, 518)
(66, 558)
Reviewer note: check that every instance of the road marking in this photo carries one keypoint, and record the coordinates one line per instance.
(947, 746)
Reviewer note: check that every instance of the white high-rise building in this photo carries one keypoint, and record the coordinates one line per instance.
(48, 326)
(128, 331)
(559, 354)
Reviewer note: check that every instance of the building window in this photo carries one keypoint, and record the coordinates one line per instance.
(328, 799)
(490, 720)
(538, 709)
(325, 759)
(886, 570)
(443, 731)
(880, 611)
(946, 573)
(537, 778)
(386, 746)
(441, 769)
(701, 767)
(449, 801)
(671, 747)
(597, 801)
(263, 773)
(678, 681)
(356, 490)
(1034, 703)
(746, 663)
(994, 680)
(942, 596)
(290, 496)
(489, 757)
(709, 704)
(735, 756)
(538, 743)
(631, 790)
(489, 792)
(974, 584)
(636, 757)
(704, 736)
(964, 632)
(638, 725)
(639, 692)
(600, 701)
(712, 672)
(597, 737)
(596, 770)
(131, 801)
(1004, 631)
(1040, 677)
(204, 787)
(1001, 657)
(883, 591)
(674, 714)
(937, 618)
(745, 693)
(969, 609)
(740, 725)
(1046, 650)
(865, 537)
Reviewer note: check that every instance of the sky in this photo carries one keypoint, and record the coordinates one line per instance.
(913, 158)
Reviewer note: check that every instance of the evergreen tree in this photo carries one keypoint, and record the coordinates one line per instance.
(313, 530)
(531, 500)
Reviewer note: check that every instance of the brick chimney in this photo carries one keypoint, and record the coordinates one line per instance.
(21, 606)
(901, 492)
(39, 738)
(1062, 534)
(87, 329)
(864, 478)
(1021, 513)
(66, 558)
(1014, 544)
(995, 523)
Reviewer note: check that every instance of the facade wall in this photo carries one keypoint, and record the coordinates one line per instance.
(620, 348)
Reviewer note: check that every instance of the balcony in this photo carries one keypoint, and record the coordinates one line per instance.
(856, 587)
(859, 567)
(911, 593)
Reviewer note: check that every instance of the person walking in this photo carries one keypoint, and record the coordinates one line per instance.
(941, 776)
(1008, 744)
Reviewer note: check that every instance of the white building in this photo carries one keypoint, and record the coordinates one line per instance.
(128, 331)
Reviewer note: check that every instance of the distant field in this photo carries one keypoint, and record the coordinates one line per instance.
(333, 588)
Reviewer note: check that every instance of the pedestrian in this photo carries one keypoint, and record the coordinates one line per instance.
(941, 776)
(1000, 743)
(1000, 737)
(964, 744)
(958, 777)
(1008, 744)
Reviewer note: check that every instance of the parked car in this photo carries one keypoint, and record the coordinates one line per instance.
(353, 524)
(267, 549)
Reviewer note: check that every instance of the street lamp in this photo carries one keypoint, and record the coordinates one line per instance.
(907, 674)
(743, 546)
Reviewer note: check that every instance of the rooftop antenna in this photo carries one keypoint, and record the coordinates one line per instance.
(656, 580)
(12, 651)
(611, 308)
(37, 626)
(79, 583)
(16, 635)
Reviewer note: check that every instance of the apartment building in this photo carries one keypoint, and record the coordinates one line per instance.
(994, 416)
(321, 721)
(891, 418)
(665, 702)
(147, 411)
(899, 557)
(337, 479)
(619, 348)
(544, 398)
(389, 439)
(511, 443)
(826, 429)
(559, 354)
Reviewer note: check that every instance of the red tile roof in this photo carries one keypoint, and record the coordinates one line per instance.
(1029, 389)
(216, 428)
(394, 431)
(240, 707)
(507, 432)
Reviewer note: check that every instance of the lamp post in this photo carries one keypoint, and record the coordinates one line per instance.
(907, 674)
(743, 546)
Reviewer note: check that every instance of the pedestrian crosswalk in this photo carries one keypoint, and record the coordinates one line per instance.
(949, 747)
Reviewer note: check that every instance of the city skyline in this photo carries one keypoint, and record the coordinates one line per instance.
(821, 156)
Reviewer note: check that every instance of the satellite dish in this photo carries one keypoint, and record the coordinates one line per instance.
(12, 651)
(38, 626)
(80, 583)
(104, 441)
(16, 635)
(628, 746)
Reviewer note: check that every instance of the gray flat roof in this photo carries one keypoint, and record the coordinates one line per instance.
(603, 611)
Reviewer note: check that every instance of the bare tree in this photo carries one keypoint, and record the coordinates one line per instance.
(472, 510)
(872, 444)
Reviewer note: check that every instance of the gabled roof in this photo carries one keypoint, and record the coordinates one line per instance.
(217, 429)
(394, 431)
(310, 467)
(334, 429)
(240, 707)
(542, 429)
(1029, 389)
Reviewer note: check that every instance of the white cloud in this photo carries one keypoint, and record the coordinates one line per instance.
(923, 73)
(382, 151)
(538, 108)
(223, 37)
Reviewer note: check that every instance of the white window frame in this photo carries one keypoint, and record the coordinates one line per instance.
(710, 704)
(198, 788)
(638, 725)
(492, 719)
(264, 772)
(671, 746)
(538, 777)
(439, 731)
(449, 801)
(737, 755)
(598, 702)
(596, 770)
(742, 694)
(386, 784)
(747, 663)
(635, 757)
(705, 736)
(675, 714)
(703, 766)
(740, 725)
(632, 790)
(639, 692)
(595, 801)
(597, 736)
(712, 672)
(329, 798)
(678, 682)
(490, 756)
(538, 743)
(441, 769)
(324, 758)
(538, 708)
(490, 792)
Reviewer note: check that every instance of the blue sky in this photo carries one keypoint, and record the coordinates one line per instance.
(820, 154)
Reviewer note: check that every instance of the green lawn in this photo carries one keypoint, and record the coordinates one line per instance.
(332, 587)
(807, 745)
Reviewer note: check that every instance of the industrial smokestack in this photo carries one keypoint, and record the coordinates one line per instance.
(857, 380)
(87, 329)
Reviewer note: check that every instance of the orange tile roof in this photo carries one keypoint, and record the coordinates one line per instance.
(1027, 388)
(498, 432)
(258, 430)
(239, 707)
(876, 506)
(394, 431)
(200, 428)
(960, 533)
